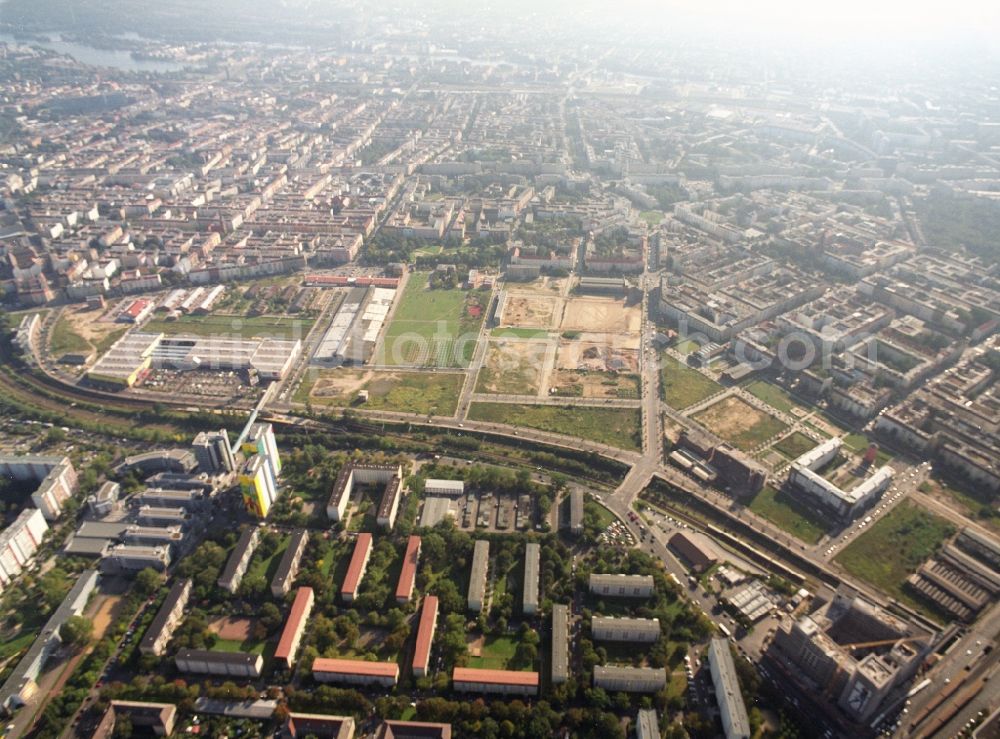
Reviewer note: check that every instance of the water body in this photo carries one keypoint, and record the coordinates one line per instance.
(114, 58)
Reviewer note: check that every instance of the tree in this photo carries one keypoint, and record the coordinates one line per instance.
(147, 581)
(76, 631)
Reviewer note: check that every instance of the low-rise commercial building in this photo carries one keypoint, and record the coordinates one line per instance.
(223, 664)
(129, 559)
(630, 679)
(444, 487)
(477, 576)
(295, 624)
(503, 682)
(576, 511)
(622, 586)
(167, 619)
(696, 549)
(727, 690)
(425, 636)
(356, 568)
(355, 672)
(646, 725)
(639, 630)
(239, 560)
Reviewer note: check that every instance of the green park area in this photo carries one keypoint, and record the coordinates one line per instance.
(788, 514)
(795, 445)
(433, 327)
(618, 427)
(773, 395)
(894, 547)
(739, 423)
(423, 393)
(682, 385)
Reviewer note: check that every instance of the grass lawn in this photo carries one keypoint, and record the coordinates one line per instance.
(65, 340)
(859, 443)
(739, 423)
(15, 645)
(787, 514)
(235, 645)
(512, 332)
(403, 392)
(105, 343)
(687, 347)
(652, 217)
(975, 504)
(432, 327)
(604, 517)
(683, 386)
(773, 395)
(266, 566)
(795, 445)
(894, 547)
(497, 652)
(617, 427)
(277, 327)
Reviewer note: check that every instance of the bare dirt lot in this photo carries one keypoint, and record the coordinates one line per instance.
(530, 311)
(596, 357)
(600, 315)
(513, 367)
(595, 384)
(230, 628)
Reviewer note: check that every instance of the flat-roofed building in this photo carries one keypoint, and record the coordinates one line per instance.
(444, 487)
(504, 682)
(735, 722)
(128, 558)
(167, 619)
(355, 672)
(434, 510)
(477, 576)
(388, 506)
(532, 560)
(413, 730)
(239, 560)
(357, 474)
(560, 643)
(160, 498)
(56, 478)
(157, 718)
(320, 725)
(646, 725)
(295, 624)
(696, 549)
(622, 586)
(630, 679)
(408, 572)
(162, 516)
(639, 630)
(425, 636)
(226, 664)
(153, 536)
(356, 569)
(288, 568)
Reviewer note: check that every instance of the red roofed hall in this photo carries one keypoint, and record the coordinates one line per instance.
(355, 672)
(295, 624)
(425, 636)
(408, 575)
(356, 570)
(472, 680)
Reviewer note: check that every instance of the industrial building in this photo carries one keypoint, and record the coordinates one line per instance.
(167, 618)
(846, 503)
(356, 569)
(477, 575)
(355, 672)
(56, 478)
(444, 487)
(696, 549)
(735, 722)
(239, 560)
(388, 506)
(621, 586)
(295, 625)
(20, 686)
(351, 337)
(223, 664)
(434, 511)
(425, 636)
(958, 581)
(408, 572)
(630, 679)
(356, 474)
(532, 561)
(288, 567)
(638, 630)
(560, 643)
(503, 682)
